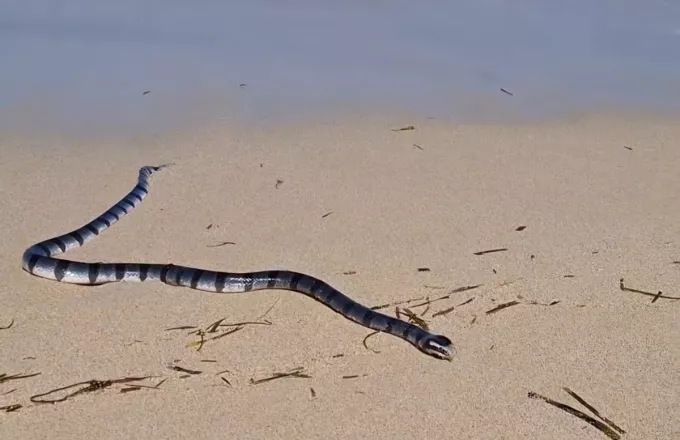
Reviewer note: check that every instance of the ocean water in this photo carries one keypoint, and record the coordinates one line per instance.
(78, 65)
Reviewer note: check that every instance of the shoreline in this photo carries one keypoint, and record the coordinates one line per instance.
(27, 131)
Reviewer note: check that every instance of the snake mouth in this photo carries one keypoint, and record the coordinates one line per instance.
(444, 356)
(439, 347)
(447, 356)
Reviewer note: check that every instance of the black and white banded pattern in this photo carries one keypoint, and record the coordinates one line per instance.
(39, 260)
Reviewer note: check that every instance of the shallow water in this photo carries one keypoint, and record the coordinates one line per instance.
(78, 65)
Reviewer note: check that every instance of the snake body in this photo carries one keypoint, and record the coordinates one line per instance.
(38, 260)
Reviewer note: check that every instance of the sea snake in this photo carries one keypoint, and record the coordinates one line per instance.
(38, 260)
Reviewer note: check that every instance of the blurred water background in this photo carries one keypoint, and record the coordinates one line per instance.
(83, 66)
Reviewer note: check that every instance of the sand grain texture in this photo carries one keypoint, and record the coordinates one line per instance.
(593, 210)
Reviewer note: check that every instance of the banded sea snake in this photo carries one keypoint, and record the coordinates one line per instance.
(38, 260)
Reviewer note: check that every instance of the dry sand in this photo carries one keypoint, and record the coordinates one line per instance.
(594, 212)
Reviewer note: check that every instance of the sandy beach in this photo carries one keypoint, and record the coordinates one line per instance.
(571, 206)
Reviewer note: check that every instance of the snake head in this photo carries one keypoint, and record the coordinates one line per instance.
(438, 346)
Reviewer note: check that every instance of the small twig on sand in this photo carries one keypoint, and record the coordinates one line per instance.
(87, 387)
(5, 378)
(502, 306)
(593, 410)
(655, 296)
(295, 372)
(366, 339)
(609, 432)
(223, 243)
(490, 251)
